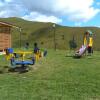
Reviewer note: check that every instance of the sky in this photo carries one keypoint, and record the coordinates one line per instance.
(63, 12)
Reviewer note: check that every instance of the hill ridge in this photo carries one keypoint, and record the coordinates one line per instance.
(43, 33)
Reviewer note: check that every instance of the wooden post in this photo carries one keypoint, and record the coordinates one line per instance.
(54, 26)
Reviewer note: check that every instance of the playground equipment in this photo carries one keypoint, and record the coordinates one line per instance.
(22, 57)
(23, 62)
(8, 53)
(19, 58)
(87, 44)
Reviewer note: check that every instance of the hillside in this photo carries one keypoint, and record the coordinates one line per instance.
(43, 33)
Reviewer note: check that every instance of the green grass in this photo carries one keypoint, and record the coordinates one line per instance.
(56, 77)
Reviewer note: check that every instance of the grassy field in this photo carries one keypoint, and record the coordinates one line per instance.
(56, 77)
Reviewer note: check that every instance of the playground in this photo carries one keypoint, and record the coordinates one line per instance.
(56, 77)
(35, 74)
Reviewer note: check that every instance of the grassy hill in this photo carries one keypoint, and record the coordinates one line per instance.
(43, 33)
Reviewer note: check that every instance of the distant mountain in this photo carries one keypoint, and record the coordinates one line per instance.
(43, 34)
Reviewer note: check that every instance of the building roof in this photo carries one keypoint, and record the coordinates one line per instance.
(5, 23)
(8, 24)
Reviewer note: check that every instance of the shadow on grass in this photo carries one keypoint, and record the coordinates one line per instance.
(3, 69)
(73, 56)
(19, 69)
(68, 56)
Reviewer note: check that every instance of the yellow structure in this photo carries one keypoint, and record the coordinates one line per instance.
(9, 56)
(23, 54)
(90, 41)
(85, 41)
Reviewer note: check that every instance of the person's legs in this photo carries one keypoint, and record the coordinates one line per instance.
(89, 50)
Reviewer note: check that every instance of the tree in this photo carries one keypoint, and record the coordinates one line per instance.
(72, 43)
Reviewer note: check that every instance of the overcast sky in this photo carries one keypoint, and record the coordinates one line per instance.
(64, 12)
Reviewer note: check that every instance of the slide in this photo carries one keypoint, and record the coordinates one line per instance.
(87, 41)
(81, 51)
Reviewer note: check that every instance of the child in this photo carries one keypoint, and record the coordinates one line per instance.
(36, 52)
